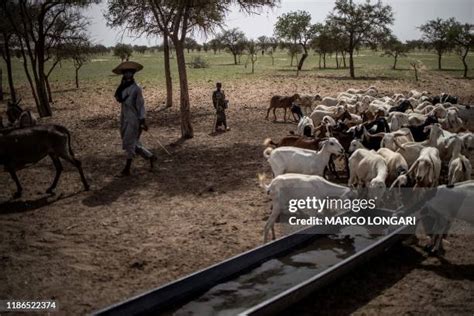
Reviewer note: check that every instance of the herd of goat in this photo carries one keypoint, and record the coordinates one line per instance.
(386, 142)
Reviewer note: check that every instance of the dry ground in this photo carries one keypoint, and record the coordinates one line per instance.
(90, 249)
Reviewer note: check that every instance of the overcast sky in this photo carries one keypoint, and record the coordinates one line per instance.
(408, 15)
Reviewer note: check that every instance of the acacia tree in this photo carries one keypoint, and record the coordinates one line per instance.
(138, 18)
(190, 44)
(462, 37)
(123, 51)
(394, 48)
(215, 45)
(6, 41)
(263, 43)
(435, 34)
(252, 53)
(40, 27)
(296, 27)
(322, 43)
(175, 19)
(78, 51)
(235, 41)
(360, 24)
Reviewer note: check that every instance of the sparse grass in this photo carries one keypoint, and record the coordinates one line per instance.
(368, 64)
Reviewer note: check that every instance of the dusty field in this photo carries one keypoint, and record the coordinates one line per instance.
(90, 249)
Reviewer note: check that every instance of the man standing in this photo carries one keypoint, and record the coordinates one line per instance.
(132, 116)
(220, 104)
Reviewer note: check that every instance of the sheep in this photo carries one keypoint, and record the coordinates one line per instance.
(367, 169)
(396, 164)
(297, 186)
(22, 146)
(307, 101)
(278, 101)
(446, 204)
(426, 168)
(297, 160)
(460, 169)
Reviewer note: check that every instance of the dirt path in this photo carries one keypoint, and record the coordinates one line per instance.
(91, 249)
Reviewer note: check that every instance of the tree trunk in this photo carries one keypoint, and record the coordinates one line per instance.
(303, 57)
(235, 58)
(273, 60)
(291, 60)
(337, 60)
(27, 72)
(344, 60)
(77, 77)
(186, 127)
(320, 60)
(44, 97)
(8, 62)
(1, 85)
(351, 63)
(395, 62)
(169, 82)
(324, 60)
(464, 62)
(439, 60)
(48, 89)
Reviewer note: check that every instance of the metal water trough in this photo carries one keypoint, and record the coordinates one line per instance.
(164, 299)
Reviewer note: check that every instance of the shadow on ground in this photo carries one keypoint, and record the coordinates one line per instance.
(191, 170)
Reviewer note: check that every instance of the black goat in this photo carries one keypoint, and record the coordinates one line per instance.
(20, 147)
(418, 131)
(402, 107)
(296, 109)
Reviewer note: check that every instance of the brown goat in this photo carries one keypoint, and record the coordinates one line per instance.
(283, 102)
(295, 141)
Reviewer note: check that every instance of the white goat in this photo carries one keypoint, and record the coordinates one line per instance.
(307, 101)
(449, 203)
(396, 164)
(304, 121)
(427, 168)
(460, 169)
(368, 169)
(298, 160)
(290, 186)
